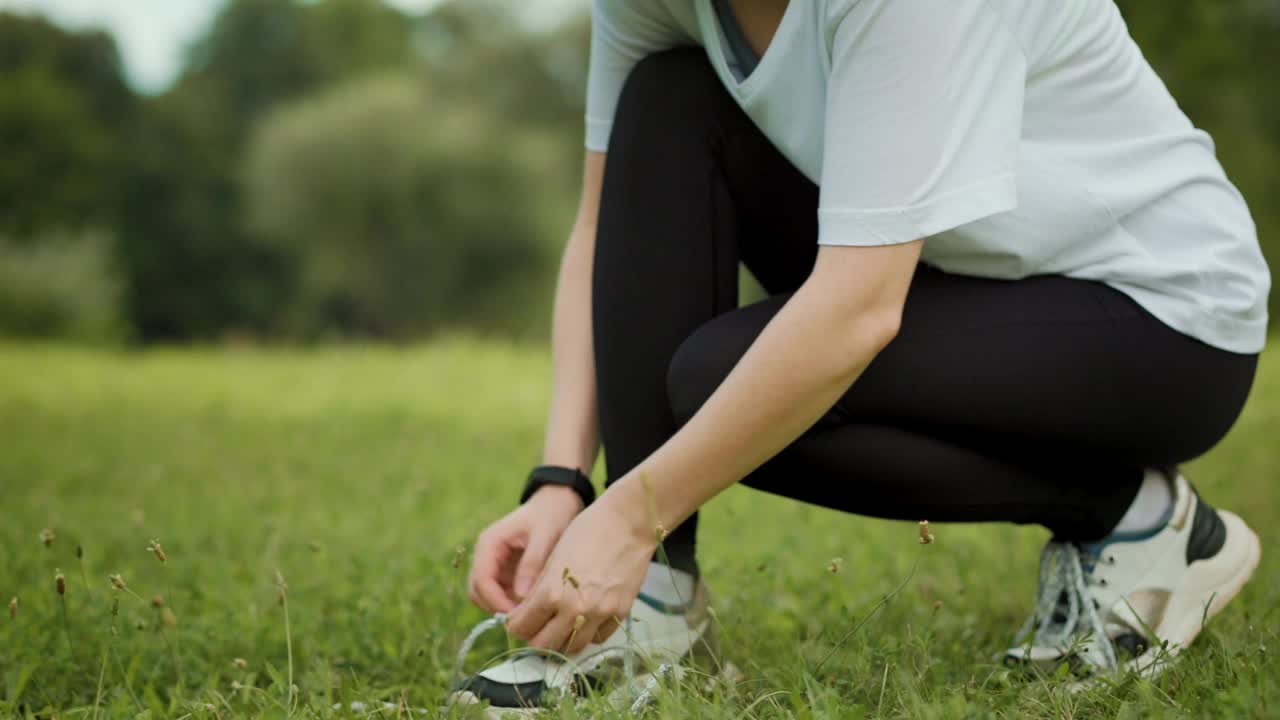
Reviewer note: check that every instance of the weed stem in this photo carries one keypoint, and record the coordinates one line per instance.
(288, 633)
(874, 610)
(66, 624)
(102, 673)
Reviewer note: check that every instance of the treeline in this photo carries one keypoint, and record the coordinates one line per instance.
(338, 168)
(322, 169)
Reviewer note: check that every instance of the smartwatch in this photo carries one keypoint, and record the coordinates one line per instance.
(553, 475)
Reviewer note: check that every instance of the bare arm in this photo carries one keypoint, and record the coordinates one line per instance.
(573, 425)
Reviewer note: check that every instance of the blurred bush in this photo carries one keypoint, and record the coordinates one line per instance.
(61, 285)
(388, 196)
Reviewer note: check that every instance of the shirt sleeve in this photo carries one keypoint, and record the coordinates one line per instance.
(923, 120)
(622, 33)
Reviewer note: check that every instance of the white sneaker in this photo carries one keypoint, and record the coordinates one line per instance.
(1145, 595)
(656, 634)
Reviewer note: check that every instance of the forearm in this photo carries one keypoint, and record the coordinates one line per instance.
(573, 422)
(573, 435)
(802, 363)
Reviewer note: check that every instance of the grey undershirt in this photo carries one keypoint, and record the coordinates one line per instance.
(742, 59)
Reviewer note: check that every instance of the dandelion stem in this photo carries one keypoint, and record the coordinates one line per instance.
(66, 623)
(127, 686)
(884, 680)
(177, 662)
(288, 642)
(84, 577)
(288, 632)
(118, 583)
(102, 673)
(163, 619)
(168, 591)
(124, 674)
(874, 610)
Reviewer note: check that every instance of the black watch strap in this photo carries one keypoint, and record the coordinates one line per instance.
(555, 475)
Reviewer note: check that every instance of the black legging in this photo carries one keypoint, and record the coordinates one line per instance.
(1031, 401)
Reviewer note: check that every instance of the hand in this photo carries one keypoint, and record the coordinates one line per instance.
(589, 583)
(511, 552)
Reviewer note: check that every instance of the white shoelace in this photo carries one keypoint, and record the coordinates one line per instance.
(641, 696)
(464, 650)
(1063, 590)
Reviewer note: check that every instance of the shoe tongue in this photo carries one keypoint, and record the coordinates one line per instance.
(1125, 618)
(1118, 627)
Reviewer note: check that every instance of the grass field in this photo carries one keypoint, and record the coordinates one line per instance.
(362, 475)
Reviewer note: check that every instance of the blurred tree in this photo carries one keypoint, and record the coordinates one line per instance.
(407, 206)
(541, 79)
(193, 270)
(430, 198)
(88, 60)
(63, 102)
(266, 51)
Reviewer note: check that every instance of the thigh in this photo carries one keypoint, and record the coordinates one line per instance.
(1050, 362)
(1043, 364)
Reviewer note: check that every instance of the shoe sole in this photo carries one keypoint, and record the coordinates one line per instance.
(622, 698)
(466, 698)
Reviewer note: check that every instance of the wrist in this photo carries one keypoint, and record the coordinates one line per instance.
(634, 512)
(558, 496)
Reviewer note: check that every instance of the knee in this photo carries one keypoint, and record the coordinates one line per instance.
(697, 368)
(670, 90)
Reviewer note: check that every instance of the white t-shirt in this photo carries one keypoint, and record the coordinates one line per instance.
(1018, 137)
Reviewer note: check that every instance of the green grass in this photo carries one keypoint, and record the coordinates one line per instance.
(362, 474)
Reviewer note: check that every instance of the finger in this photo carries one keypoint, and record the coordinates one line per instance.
(484, 588)
(473, 586)
(493, 596)
(506, 575)
(606, 629)
(529, 617)
(555, 633)
(532, 563)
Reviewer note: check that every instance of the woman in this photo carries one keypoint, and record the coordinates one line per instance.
(1008, 281)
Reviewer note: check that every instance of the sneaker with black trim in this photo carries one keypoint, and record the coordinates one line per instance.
(528, 681)
(1132, 601)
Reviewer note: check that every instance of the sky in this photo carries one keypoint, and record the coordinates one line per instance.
(153, 34)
